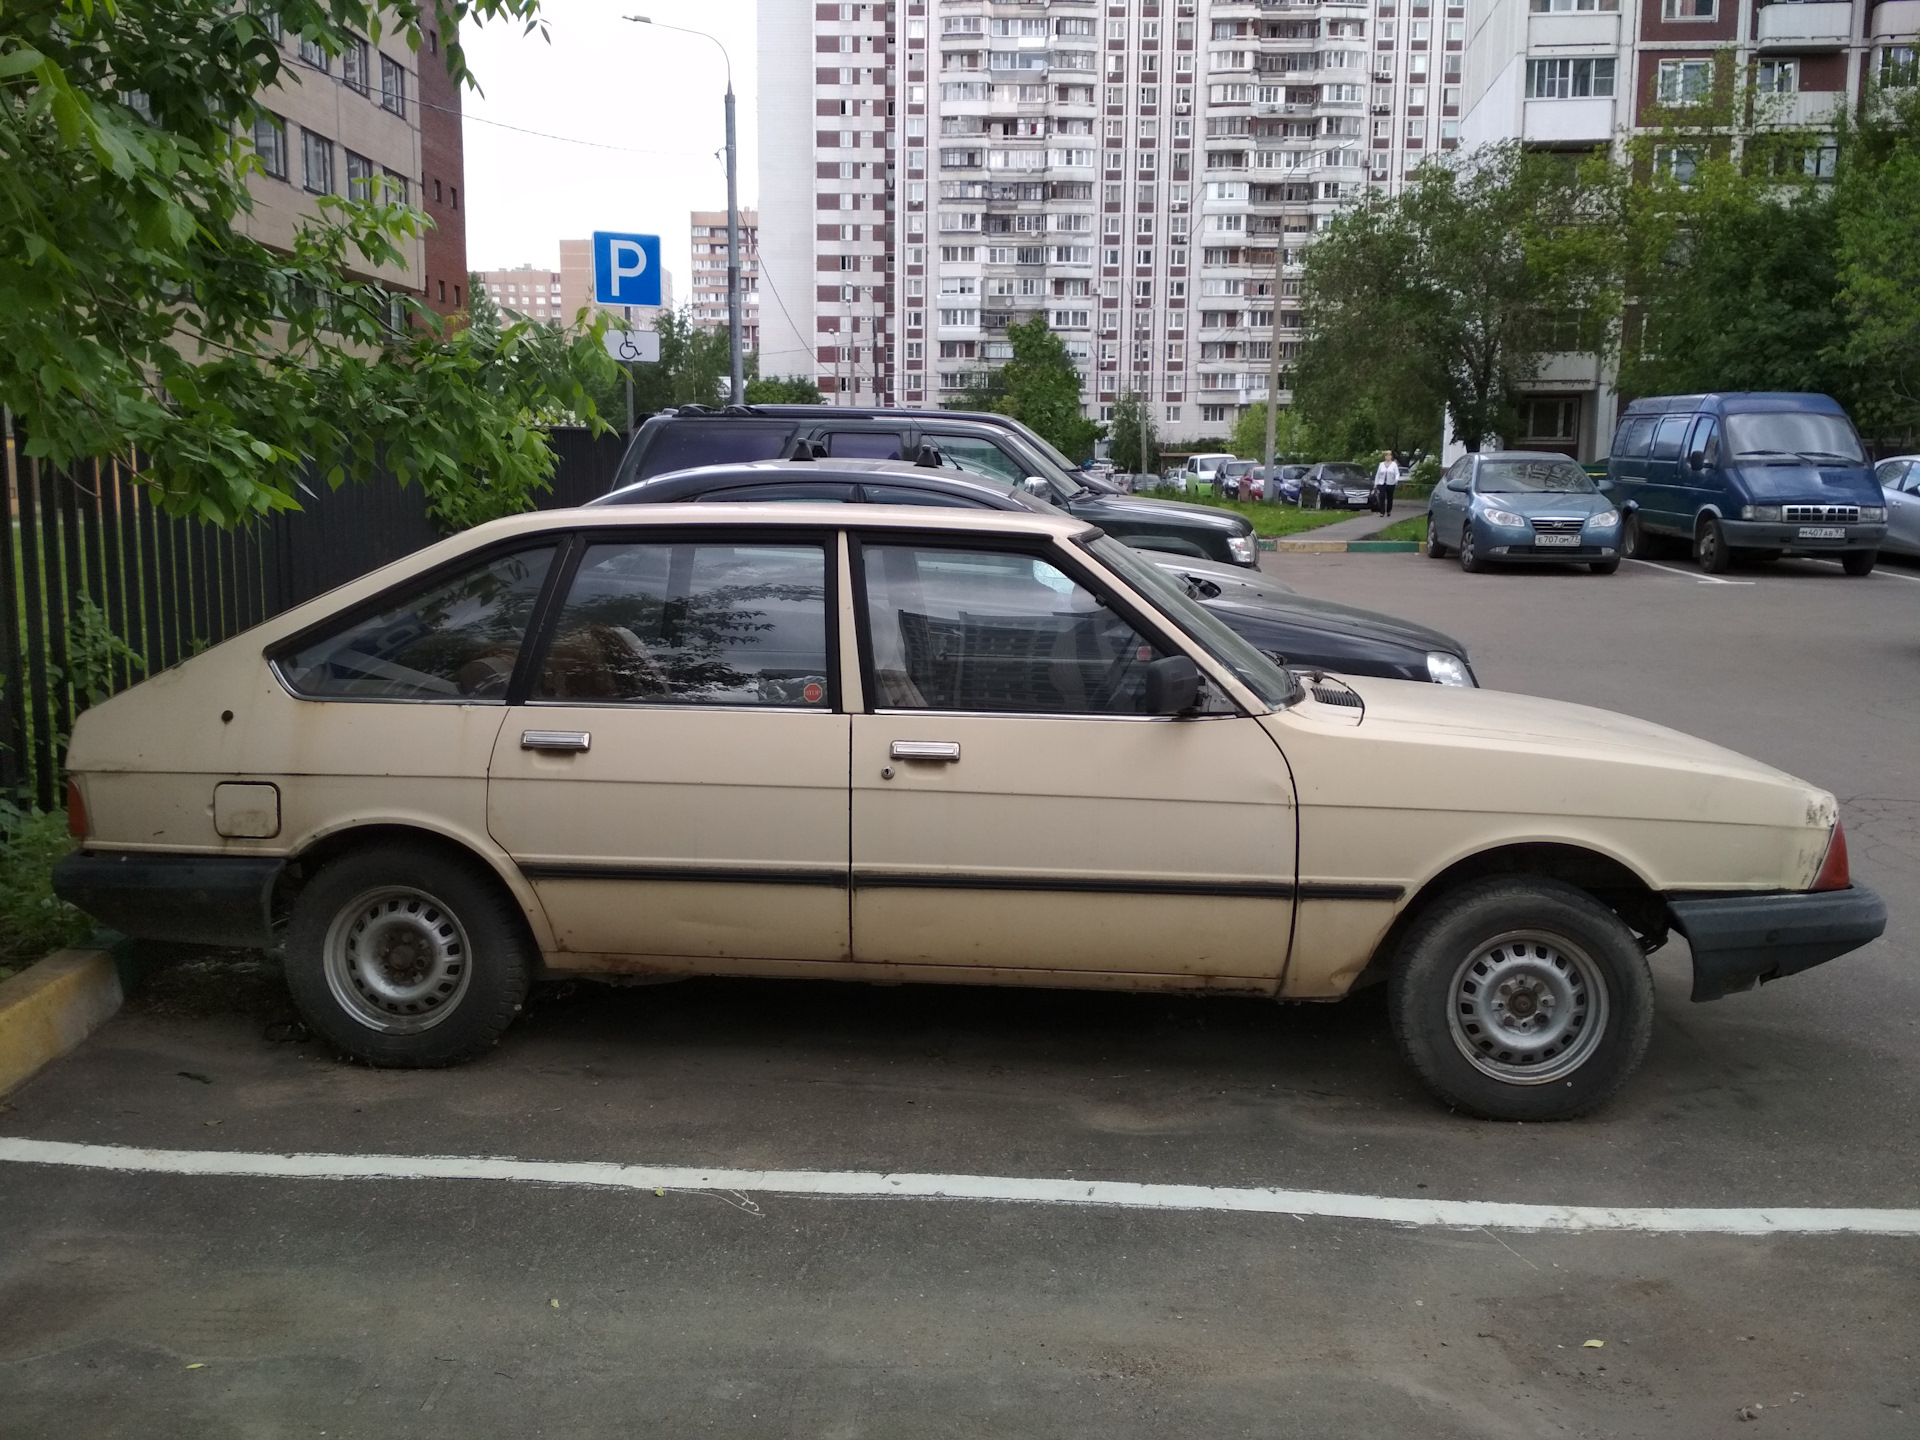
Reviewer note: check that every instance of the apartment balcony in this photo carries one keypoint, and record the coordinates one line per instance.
(1573, 29)
(1553, 124)
(1895, 20)
(1807, 110)
(1814, 25)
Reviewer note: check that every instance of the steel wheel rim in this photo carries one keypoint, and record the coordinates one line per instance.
(1466, 544)
(397, 960)
(1527, 1008)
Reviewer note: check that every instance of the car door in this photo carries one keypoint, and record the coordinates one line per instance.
(1900, 484)
(1450, 498)
(1013, 812)
(1666, 501)
(1705, 484)
(674, 783)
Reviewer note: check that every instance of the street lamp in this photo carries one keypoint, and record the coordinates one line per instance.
(735, 358)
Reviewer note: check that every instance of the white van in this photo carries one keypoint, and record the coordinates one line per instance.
(1201, 472)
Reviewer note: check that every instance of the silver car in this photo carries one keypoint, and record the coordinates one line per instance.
(1900, 481)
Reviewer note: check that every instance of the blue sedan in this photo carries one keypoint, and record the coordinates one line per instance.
(1522, 507)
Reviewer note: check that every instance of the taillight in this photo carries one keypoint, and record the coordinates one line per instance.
(1833, 870)
(76, 811)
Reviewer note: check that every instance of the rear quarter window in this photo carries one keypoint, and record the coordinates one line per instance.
(684, 445)
(1630, 441)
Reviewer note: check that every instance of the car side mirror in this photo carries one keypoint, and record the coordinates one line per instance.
(1037, 487)
(1173, 685)
(1457, 484)
(1697, 460)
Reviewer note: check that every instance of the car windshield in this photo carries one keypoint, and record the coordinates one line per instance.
(1345, 474)
(1793, 435)
(1521, 477)
(1274, 685)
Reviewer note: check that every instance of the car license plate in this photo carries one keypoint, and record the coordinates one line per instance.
(1556, 539)
(1823, 532)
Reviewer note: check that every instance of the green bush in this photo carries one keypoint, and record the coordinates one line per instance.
(33, 920)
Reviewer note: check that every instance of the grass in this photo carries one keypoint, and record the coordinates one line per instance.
(33, 920)
(1277, 518)
(1414, 527)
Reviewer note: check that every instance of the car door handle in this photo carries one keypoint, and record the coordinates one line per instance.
(946, 751)
(560, 741)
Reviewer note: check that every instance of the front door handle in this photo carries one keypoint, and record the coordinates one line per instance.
(565, 742)
(946, 751)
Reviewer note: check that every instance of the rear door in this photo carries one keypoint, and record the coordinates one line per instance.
(1900, 483)
(1667, 500)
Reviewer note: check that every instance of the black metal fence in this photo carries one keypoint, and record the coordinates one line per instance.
(99, 588)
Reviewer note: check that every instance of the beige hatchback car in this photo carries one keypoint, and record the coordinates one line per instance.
(863, 743)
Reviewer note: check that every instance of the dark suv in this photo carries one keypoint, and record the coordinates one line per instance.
(988, 447)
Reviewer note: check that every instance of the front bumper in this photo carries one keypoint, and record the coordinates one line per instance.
(1739, 940)
(1527, 553)
(196, 899)
(1776, 535)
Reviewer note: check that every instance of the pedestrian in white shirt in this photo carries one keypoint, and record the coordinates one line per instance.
(1386, 477)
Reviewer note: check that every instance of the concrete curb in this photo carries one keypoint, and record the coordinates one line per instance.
(53, 1005)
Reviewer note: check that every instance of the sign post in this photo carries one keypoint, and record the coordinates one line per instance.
(630, 348)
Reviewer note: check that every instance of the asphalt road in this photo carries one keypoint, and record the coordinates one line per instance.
(146, 1305)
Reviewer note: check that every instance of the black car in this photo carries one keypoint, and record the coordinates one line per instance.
(1293, 629)
(992, 448)
(1336, 485)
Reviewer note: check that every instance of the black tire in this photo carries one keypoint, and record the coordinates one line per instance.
(1710, 549)
(1460, 975)
(1604, 567)
(1471, 560)
(1633, 540)
(456, 939)
(1319, 500)
(1859, 562)
(1435, 550)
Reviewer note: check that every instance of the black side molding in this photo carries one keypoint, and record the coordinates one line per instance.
(1741, 940)
(196, 899)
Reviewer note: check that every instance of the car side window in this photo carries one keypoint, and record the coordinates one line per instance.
(1705, 440)
(901, 495)
(686, 443)
(1461, 475)
(811, 492)
(1667, 439)
(979, 457)
(864, 444)
(1631, 440)
(693, 624)
(456, 640)
(997, 631)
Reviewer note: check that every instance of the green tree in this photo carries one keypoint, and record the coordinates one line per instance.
(1136, 441)
(1039, 386)
(1451, 292)
(781, 389)
(1250, 433)
(1877, 262)
(138, 315)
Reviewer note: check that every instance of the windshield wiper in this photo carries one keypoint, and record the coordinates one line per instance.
(1829, 455)
(1788, 455)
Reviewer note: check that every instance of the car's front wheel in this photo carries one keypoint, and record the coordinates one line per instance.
(1710, 548)
(1859, 562)
(1471, 560)
(1521, 998)
(407, 957)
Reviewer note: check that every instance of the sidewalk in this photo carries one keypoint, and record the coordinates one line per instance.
(1346, 534)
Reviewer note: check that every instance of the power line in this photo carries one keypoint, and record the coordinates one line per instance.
(545, 135)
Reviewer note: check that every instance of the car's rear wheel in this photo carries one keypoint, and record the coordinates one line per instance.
(1710, 548)
(1471, 560)
(407, 957)
(1521, 998)
(1859, 562)
(1435, 550)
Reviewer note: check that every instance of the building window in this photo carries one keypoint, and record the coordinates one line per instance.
(360, 173)
(1569, 79)
(1689, 9)
(353, 65)
(1777, 77)
(1550, 419)
(270, 143)
(398, 189)
(1683, 82)
(1900, 65)
(312, 54)
(1678, 162)
(393, 85)
(316, 151)
(1544, 7)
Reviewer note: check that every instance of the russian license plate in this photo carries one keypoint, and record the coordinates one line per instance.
(1556, 539)
(1823, 532)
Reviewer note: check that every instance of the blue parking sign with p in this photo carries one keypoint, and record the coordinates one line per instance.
(626, 269)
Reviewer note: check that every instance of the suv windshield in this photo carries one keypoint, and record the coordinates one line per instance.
(1793, 435)
(1270, 682)
(1519, 477)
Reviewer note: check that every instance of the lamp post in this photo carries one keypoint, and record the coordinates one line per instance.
(735, 357)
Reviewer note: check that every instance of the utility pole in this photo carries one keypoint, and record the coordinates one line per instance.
(736, 357)
(1273, 371)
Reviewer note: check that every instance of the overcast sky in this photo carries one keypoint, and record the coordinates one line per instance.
(657, 94)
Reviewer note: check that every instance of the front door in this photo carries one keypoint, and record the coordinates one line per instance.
(676, 782)
(1014, 812)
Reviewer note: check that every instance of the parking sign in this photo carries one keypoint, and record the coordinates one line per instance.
(626, 268)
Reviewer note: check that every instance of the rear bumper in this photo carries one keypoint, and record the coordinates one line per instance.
(1740, 940)
(197, 899)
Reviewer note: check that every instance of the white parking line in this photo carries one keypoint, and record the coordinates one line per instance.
(1445, 1214)
(1877, 573)
(1685, 574)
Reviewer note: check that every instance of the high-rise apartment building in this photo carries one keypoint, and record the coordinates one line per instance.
(1145, 175)
(355, 124)
(1582, 74)
(526, 293)
(558, 296)
(709, 288)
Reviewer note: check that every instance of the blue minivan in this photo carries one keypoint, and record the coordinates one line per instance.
(1745, 476)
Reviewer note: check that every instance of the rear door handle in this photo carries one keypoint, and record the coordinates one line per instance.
(946, 751)
(559, 741)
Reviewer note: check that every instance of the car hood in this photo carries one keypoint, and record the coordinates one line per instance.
(1812, 484)
(1545, 502)
(1142, 510)
(1305, 610)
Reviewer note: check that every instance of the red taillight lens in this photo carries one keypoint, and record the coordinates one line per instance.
(1833, 870)
(76, 811)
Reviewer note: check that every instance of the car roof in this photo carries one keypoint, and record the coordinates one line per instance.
(1734, 402)
(1525, 455)
(800, 472)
